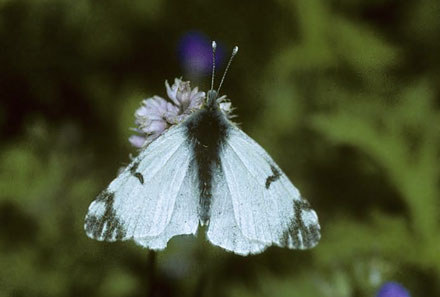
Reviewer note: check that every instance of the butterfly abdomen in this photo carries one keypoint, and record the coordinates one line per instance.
(207, 131)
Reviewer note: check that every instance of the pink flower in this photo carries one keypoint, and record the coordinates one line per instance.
(156, 114)
(186, 99)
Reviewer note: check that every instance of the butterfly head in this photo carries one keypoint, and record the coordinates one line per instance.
(211, 98)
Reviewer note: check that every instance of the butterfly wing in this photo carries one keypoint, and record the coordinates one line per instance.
(223, 229)
(152, 200)
(184, 219)
(254, 204)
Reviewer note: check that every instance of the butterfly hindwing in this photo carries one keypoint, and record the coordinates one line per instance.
(144, 201)
(223, 229)
(185, 218)
(264, 207)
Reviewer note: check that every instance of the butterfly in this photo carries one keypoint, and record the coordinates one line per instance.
(203, 171)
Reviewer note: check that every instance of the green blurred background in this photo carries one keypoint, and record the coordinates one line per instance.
(343, 94)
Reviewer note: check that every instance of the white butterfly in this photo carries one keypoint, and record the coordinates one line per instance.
(204, 171)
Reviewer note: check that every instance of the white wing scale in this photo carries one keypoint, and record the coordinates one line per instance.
(254, 203)
(152, 200)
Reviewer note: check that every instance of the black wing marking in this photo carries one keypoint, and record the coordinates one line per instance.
(136, 174)
(108, 226)
(274, 177)
(310, 235)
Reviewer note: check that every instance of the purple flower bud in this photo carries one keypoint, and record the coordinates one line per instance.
(195, 53)
(392, 289)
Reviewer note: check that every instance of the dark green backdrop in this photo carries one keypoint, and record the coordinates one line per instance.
(343, 94)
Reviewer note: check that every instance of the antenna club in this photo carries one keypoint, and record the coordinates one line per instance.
(214, 45)
(234, 52)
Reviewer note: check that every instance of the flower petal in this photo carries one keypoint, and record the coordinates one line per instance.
(137, 141)
(172, 91)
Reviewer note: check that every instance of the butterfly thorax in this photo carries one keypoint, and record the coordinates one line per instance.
(207, 132)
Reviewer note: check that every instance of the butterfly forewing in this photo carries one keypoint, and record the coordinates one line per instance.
(153, 191)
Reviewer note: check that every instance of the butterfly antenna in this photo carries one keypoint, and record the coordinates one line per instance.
(214, 46)
(234, 52)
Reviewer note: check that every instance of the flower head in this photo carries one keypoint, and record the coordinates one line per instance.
(184, 98)
(392, 289)
(157, 114)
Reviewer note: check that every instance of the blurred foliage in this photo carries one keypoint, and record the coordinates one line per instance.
(343, 94)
